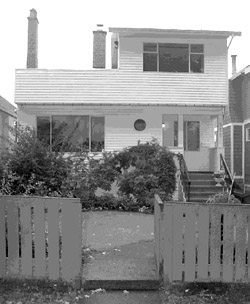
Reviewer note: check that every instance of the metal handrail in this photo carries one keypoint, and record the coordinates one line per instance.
(184, 176)
(226, 169)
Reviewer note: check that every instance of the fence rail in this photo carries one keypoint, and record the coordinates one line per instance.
(202, 242)
(40, 237)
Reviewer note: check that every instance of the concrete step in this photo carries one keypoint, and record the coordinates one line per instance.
(203, 182)
(201, 194)
(206, 189)
(122, 284)
(123, 297)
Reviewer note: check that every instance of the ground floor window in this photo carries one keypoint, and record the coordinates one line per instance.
(72, 133)
(191, 135)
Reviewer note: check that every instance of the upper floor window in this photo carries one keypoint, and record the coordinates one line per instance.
(71, 133)
(173, 57)
(248, 134)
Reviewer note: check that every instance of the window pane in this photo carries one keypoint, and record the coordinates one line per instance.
(150, 47)
(43, 129)
(150, 62)
(176, 134)
(173, 57)
(97, 134)
(192, 135)
(197, 63)
(70, 133)
(197, 48)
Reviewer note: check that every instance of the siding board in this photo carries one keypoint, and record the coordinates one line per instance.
(117, 86)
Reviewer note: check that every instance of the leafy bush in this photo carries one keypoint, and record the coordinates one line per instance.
(222, 198)
(147, 169)
(30, 167)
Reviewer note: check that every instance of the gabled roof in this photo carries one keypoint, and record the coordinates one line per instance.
(7, 107)
(175, 32)
(242, 72)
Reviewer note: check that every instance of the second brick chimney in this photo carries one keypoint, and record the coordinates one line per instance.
(234, 69)
(99, 47)
(32, 56)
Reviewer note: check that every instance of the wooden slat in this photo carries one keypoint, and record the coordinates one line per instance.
(53, 239)
(190, 242)
(240, 257)
(71, 240)
(177, 241)
(228, 244)
(39, 238)
(13, 247)
(167, 224)
(203, 237)
(248, 242)
(156, 231)
(26, 245)
(215, 242)
(2, 239)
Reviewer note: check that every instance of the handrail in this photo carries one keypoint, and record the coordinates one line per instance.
(227, 171)
(184, 176)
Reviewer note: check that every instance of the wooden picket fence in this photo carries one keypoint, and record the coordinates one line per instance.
(202, 242)
(40, 237)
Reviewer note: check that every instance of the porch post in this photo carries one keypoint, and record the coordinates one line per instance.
(220, 131)
(180, 131)
(220, 149)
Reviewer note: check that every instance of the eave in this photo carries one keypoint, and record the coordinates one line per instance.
(174, 32)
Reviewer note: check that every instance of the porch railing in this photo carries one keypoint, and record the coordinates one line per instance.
(235, 188)
(185, 179)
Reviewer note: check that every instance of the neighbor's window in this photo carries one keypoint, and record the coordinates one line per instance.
(191, 135)
(248, 134)
(173, 57)
(72, 133)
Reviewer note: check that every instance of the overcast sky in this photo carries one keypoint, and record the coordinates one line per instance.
(65, 28)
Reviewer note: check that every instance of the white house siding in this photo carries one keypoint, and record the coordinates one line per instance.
(119, 124)
(123, 86)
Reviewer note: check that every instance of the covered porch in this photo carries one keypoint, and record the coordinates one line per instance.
(198, 137)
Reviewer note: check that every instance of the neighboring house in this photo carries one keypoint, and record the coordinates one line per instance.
(236, 127)
(7, 120)
(163, 83)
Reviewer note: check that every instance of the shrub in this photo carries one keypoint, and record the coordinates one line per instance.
(222, 198)
(147, 169)
(30, 167)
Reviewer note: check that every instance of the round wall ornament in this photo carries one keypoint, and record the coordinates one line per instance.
(140, 125)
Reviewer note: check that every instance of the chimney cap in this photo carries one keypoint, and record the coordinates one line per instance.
(33, 13)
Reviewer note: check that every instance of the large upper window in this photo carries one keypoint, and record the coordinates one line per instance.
(191, 135)
(72, 133)
(173, 57)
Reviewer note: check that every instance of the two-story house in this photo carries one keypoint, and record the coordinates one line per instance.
(7, 120)
(163, 83)
(237, 126)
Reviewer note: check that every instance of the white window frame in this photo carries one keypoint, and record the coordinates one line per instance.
(247, 134)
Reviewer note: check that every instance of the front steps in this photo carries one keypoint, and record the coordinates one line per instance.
(203, 186)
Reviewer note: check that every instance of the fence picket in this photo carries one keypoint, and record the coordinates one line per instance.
(240, 254)
(2, 240)
(167, 247)
(13, 246)
(177, 241)
(26, 245)
(190, 242)
(39, 238)
(215, 242)
(203, 236)
(53, 239)
(228, 245)
(71, 240)
(156, 232)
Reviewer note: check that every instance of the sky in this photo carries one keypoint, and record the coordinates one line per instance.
(65, 32)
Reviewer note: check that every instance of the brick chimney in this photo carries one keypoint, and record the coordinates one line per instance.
(99, 47)
(32, 55)
(234, 69)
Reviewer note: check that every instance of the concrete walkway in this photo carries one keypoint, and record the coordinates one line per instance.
(119, 263)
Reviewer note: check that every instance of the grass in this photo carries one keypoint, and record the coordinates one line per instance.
(25, 291)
